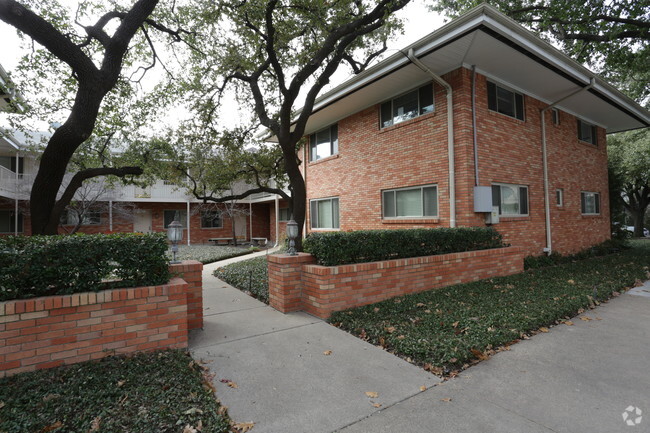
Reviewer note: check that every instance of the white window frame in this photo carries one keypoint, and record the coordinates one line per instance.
(420, 107)
(559, 197)
(313, 219)
(515, 93)
(583, 202)
(518, 189)
(409, 188)
(592, 127)
(334, 143)
(216, 214)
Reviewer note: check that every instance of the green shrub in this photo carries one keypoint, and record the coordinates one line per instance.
(250, 275)
(57, 265)
(339, 248)
(604, 248)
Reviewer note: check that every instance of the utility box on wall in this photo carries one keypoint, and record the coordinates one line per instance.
(492, 217)
(483, 199)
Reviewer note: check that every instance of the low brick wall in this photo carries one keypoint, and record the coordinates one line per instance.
(296, 283)
(56, 330)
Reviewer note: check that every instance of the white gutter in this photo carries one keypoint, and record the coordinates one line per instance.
(277, 220)
(547, 206)
(450, 135)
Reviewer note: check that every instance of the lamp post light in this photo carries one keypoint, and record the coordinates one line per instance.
(175, 235)
(292, 234)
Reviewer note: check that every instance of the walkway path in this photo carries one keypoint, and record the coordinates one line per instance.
(285, 381)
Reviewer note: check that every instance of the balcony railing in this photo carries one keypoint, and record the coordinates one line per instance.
(13, 187)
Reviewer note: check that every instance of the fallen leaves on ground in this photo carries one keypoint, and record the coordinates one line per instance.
(585, 318)
(327, 352)
(243, 427)
(189, 429)
(193, 411)
(51, 427)
(480, 355)
(446, 400)
(423, 388)
(568, 323)
(390, 329)
(543, 329)
(372, 394)
(95, 424)
(376, 405)
(233, 385)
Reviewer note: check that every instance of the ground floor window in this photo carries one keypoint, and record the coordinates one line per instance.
(211, 220)
(412, 202)
(8, 221)
(175, 215)
(512, 200)
(590, 203)
(325, 213)
(89, 218)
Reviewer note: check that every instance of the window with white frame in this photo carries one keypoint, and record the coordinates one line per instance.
(512, 200)
(284, 214)
(411, 202)
(587, 132)
(505, 101)
(324, 213)
(324, 143)
(407, 106)
(8, 222)
(174, 215)
(590, 203)
(559, 197)
(211, 220)
(89, 218)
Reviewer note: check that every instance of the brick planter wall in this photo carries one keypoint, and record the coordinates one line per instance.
(50, 331)
(295, 283)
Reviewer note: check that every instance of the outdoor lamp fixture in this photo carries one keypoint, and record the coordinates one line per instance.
(292, 234)
(175, 235)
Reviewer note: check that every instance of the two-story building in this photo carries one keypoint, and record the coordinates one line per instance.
(478, 123)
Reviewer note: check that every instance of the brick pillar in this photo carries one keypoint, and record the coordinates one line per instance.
(285, 280)
(192, 272)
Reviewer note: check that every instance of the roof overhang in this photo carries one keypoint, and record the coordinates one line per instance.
(8, 143)
(10, 100)
(500, 49)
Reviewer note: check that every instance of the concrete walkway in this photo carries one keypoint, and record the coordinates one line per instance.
(285, 381)
(578, 378)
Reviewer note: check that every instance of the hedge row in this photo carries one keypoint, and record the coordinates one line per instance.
(339, 248)
(33, 266)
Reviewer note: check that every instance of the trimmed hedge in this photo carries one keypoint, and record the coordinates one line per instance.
(609, 246)
(340, 248)
(32, 266)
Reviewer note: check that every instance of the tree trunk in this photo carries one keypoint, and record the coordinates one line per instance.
(637, 218)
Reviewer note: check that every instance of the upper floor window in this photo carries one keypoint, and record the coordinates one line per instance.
(505, 101)
(407, 106)
(324, 213)
(324, 143)
(285, 214)
(211, 220)
(555, 115)
(590, 203)
(174, 215)
(416, 202)
(559, 197)
(9, 162)
(512, 200)
(587, 132)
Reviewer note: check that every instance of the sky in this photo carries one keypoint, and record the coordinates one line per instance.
(418, 22)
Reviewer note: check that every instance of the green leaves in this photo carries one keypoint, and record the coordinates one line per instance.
(339, 248)
(249, 275)
(57, 265)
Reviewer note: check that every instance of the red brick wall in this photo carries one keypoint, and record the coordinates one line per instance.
(414, 153)
(55, 330)
(297, 284)
(260, 216)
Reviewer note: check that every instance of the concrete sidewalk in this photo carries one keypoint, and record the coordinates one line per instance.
(285, 381)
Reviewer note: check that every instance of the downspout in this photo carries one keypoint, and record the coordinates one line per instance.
(250, 221)
(188, 223)
(110, 215)
(277, 220)
(474, 138)
(450, 134)
(16, 188)
(547, 204)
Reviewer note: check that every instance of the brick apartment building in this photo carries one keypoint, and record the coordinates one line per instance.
(381, 155)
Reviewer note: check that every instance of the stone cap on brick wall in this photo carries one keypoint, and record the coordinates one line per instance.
(283, 259)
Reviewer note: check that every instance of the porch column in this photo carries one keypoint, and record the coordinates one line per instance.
(110, 215)
(188, 223)
(250, 221)
(16, 196)
(277, 220)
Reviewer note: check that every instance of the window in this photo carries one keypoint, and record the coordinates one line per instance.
(8, 221)
(325, 213)
(505, 101)
(412, 104)
(211, 220)
(590, 203)
(89, 218)
(284, 215)
(9, 162)
(555, 115)
(178, 215)
(418, 202)
(587, 132)
(559, 197)
(512, 200)
(324, 143)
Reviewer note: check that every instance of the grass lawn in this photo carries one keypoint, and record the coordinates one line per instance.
(250, 276)
(209, 253)
(445, 329)
(155, 392)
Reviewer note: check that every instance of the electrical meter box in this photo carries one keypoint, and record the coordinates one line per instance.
(492, 217)
(483, 199)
